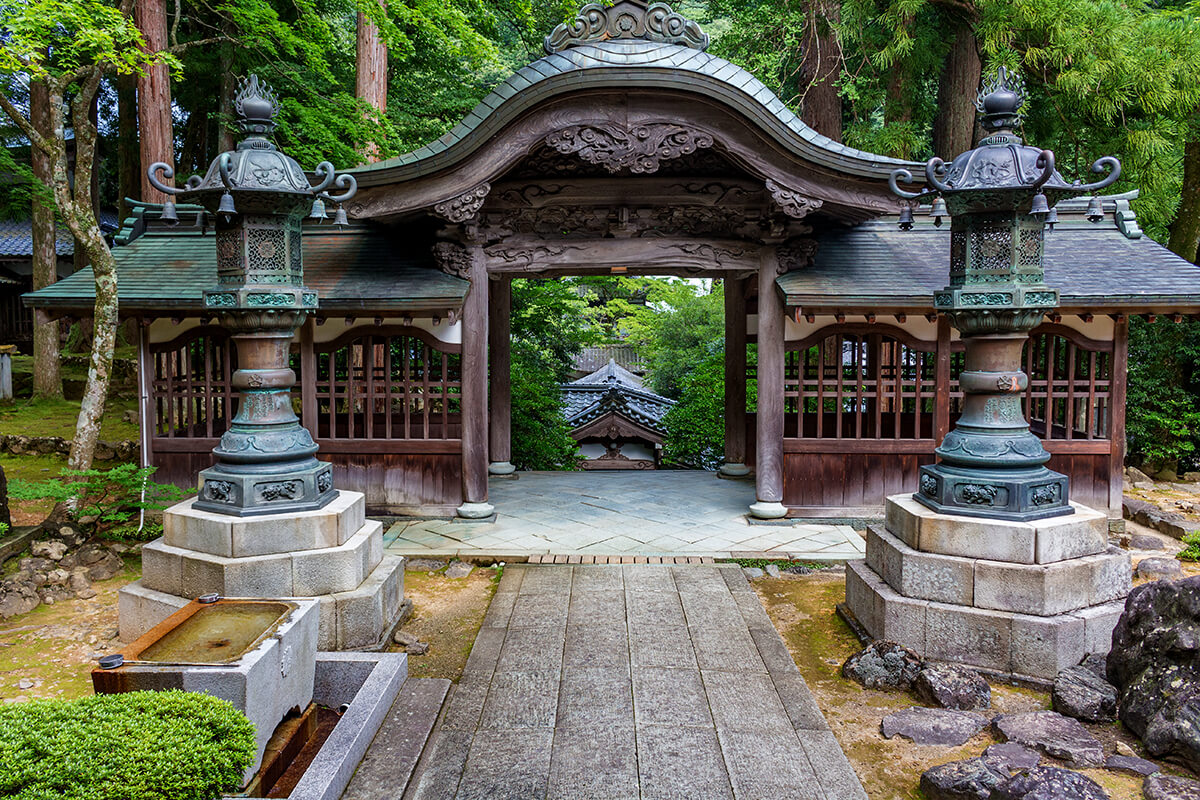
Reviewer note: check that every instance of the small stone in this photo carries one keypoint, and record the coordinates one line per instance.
(47, 548)
(933, 725)
(78, 581)
(1049, 783)
(800, 569)
(883, 665)
(1159, 568)
(772, 571)
(57, 577)
(752, 573)
(1135, 476)
(423, 565)
(952, 686)
(18, 699)
(1080, 693)
(1144, 541)
(1053, 734)
(1169, 787)
(1010, 757)
(459, 569)
(1125, 750)
(24, 683)
(404, 638)
(972, 779)
(1135, 765)
(86, 594)
(417, 648)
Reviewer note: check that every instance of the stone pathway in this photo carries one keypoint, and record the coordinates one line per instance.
(623, 513)
(636, 681)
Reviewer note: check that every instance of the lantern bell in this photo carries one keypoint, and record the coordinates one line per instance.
(318, 210)
(226, 208)
(938, 211)
(1040, 208)
(339, 219)
(906, 218)
(169, 215)
(1095, 209)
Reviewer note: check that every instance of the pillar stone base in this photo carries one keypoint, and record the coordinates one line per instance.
(1018, 600)
(333, 554)
(731, 470)
(476, 510)
(767, 510)
(501, 468)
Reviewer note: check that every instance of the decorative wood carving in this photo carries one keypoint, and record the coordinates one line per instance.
(545, 161)
(453, 259)
(627, 20)
(791, 202)
(525, 256)
(639, 149)
(796, 254)
(465, 206)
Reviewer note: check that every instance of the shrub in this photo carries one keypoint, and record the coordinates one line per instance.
(696, 424)
(1192, 551)
(541, 438)
(136, 746)
(111, 496)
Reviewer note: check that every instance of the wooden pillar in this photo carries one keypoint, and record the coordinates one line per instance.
(155, 136)
(500, 351)
(735, 378)
(1116, 400)
(475, 391)
(941, 403)
(768, 459)
(308, 377)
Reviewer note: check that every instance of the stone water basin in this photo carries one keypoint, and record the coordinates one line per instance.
(259, 654)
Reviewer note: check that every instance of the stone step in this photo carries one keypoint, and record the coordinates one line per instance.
(392, 757)
(1039, 589)
(306, 573)
(1084, 533)
(238, 537)
(1023, 646)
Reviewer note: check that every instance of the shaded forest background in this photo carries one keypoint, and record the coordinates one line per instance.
(359, 80)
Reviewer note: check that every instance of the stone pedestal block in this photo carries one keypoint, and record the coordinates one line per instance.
(1024, 600)
(359, 589)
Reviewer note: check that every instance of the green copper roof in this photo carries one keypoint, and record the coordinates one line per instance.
(627, 64)
(361, 268)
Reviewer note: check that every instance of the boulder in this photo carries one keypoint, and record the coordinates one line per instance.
(1192, 477)
(952, 686)
(772, 571)
(1135, 475)
(48, 548)
(1169, 787)
(423, 564)
(1011, 757)
(459, 569)
(1081, 693)
(68, 533)
(1155, 569)
(972, 779)
(1131, 764)
(1053, 734)
(1145, 541)
(933, 725)
(883, 665)
(1048, 783)
(752, 573)
(109, 565)
(1152, 516)
(18, 600)
(1155, 665)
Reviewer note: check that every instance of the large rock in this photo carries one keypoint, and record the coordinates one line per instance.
(1155, 665)
(933, 725)
(973, 779)
(1011, 757)
(1080, 693)
(1167, 787)
(952, 686)
(48, 548)
(1159, 569)
(1130, 764)
(1049, 783)
(1053, 734)
(883, 665)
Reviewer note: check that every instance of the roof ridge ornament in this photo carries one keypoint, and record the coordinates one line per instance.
(627, 19)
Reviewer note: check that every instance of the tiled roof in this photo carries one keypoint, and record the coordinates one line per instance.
(613, 388)
(626, 64)
(876, 265)
(361, 268)
(16, 237)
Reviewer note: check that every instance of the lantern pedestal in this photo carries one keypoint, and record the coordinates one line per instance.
(1020, 600)
(334, 554)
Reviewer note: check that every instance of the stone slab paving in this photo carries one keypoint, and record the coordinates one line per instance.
(638, 682)
(622, 513)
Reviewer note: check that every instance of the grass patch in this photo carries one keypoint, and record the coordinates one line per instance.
(58, 417)
(447, 613)
(761, 563)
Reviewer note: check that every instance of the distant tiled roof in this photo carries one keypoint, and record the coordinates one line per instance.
(360, 269)
(876, 265)
(16, 237)
(613, 388)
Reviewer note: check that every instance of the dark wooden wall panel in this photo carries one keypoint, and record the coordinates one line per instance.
(401, 483)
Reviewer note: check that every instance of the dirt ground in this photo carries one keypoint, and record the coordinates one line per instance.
(447, 614)
(802, 608)
(54, 646)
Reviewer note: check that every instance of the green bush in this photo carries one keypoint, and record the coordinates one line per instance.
(696, 423)
(1192, 551)
(541, 438)
(111, 496)
(135, 746)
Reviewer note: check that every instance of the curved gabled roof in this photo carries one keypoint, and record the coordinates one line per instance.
(601, 62)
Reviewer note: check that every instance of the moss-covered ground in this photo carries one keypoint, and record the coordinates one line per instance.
(447, 614)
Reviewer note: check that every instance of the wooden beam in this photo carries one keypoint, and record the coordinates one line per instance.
(500, 351)
(902, 318)
(524, 254)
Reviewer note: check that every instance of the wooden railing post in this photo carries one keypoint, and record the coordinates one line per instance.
(941, 407)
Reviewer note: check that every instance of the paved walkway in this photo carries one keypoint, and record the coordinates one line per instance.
(630, 682)
(623, 513)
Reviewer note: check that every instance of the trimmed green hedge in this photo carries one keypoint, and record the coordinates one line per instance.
(134, 746)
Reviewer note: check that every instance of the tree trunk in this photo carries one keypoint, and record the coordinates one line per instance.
(1185, 230)
(156, 141)
(371, 74)
(225, 115)
(104, 341)
(896, 106)
(954, 125)
(128, 158)
(822, 66)
(47, 378)
(81, 257)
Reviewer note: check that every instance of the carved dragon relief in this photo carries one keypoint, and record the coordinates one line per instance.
(629, 19)
(453, 259)
(640, 149)
(796, 254)
(465, 206)
(792, 202)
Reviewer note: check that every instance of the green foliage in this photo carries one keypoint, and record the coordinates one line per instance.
(683, 325)
(1163, 405)
(137, 746)
(696, 424)
(111, 496)
(3, 528)
(541, 438)
(1192, 551)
